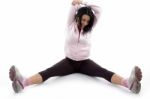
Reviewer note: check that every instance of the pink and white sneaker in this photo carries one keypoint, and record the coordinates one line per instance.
(134, 80)
(16, 78)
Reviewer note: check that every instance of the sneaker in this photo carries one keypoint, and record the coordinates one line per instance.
(134, 80)
(16, 79)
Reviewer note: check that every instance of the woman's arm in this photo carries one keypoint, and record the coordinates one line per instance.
(96, 9)
(74, 7)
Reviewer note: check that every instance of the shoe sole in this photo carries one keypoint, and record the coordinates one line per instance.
(136, 85)
(16, 84)
(12, 73)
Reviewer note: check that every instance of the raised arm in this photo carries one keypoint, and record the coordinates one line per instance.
(96, 9)
(74, 7)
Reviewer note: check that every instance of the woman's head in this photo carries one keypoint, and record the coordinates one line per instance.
(85, 18)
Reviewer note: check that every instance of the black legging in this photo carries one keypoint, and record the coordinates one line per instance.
(68, 66)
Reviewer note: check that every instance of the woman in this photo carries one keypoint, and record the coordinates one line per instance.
(83, 17)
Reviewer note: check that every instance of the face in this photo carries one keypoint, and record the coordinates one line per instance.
(85, 20)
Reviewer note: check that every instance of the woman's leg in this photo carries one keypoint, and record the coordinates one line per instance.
(35, 79)
(117, 79)
(59, 69)
(132, 83)
(90, 68)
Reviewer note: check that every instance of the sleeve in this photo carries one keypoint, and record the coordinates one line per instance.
(72, 13)
(96, 9)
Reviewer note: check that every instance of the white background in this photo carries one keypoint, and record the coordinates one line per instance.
(32, 38)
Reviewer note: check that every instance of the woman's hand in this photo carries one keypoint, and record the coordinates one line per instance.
(74, 2)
